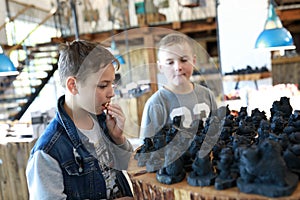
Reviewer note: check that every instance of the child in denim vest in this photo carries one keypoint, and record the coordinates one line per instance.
(83, 151)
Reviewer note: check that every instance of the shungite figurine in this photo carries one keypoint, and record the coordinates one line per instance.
(263, 130)
(278, 123)
(203, 173)
(292, 152)
(241, 140)
(226, 178)
(293, 125)
(263, 171)
(159, 142)
(195, 145)
(241, 114)
(154, 163)
(216, 150)
(227, 128)
(182, 141)
(292, 158)
(173, 170)
(246, 128)
(283, 107)
(171, 133)
(143, 153)
(257, 116)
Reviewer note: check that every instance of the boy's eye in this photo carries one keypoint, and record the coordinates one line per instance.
(183, 59)
(102, 86)
(170, 62)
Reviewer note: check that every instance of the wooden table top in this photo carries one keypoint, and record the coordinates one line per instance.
(146, 186)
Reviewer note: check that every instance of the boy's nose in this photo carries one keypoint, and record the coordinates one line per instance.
(110, 92)
(178, 66)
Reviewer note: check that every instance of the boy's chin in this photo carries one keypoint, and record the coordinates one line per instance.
(98, 111)
(180, 81)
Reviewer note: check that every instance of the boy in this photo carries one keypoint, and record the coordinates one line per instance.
(81, 153)
(179, 97)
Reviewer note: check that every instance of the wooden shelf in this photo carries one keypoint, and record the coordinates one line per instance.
(247, 77)
(205, 77)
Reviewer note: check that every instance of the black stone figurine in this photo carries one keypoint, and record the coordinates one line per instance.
(263, 130)
(283, 107)
(143, 153)
(226, 178)
(173, 170)
(203, 173)
(292, 152)
(263, 171)
(154, 163)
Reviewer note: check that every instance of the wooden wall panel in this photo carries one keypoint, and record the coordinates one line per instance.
(286, 70)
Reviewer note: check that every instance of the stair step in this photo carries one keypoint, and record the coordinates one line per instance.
(32, 75)
(13, 98)
(7, 107)
(40, 67)
(18, 93)
(44, 48)
(31, 82)
(43, 55)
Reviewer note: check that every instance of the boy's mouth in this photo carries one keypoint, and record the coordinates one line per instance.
(105, 105)
(176, 75)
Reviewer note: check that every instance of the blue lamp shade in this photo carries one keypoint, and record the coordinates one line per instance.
(116, 53)
(7, 68)
(120, 59)
(274, 36)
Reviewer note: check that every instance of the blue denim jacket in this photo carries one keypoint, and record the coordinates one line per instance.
(82, 176)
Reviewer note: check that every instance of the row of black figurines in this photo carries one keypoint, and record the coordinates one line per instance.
(255, 154)
(248, 70)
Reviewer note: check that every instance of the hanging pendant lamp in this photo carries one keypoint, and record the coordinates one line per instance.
(274, 37)
(7, 68)
(116, 53)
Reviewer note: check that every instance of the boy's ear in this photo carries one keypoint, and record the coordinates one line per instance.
(159, 66)
(194, 59)
(71, 85)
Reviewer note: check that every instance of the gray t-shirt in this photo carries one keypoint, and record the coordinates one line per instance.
(164, 105)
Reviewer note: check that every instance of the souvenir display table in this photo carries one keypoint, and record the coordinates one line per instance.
(145, 186)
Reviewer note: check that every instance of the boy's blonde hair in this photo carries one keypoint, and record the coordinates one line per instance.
(175, 38)
(81, 58)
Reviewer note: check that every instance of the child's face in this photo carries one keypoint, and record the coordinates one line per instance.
(176, 63)
(97, 90)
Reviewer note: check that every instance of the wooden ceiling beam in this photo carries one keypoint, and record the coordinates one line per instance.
(289, 14)
(161, 29)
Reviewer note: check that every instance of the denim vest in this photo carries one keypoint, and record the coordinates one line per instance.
(82, 176)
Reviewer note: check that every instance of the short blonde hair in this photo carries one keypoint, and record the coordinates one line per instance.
(174, 38)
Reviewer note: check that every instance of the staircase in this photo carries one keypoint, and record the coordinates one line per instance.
(18, 92)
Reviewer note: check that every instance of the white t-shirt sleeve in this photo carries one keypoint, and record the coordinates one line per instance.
(44, 178)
